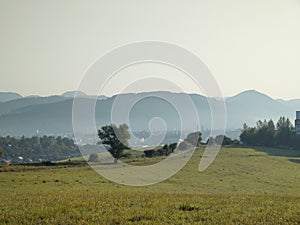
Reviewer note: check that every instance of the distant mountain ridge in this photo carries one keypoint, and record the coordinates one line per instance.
(52, 115)
(11, 106)
(71, 94)
(8, 96)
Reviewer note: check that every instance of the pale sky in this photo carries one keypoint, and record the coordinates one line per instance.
(46, 46)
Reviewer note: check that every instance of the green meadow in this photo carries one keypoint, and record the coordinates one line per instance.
(242, 186)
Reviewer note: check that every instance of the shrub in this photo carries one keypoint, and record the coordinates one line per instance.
(93, 157)
(184, 145)
(150, 153)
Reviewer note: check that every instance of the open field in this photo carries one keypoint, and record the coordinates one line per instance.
(242, 186)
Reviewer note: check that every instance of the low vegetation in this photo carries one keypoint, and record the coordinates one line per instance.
(242, 186)
(165, 150)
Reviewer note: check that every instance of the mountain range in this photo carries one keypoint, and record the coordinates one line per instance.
(52, 115)
(8, 96)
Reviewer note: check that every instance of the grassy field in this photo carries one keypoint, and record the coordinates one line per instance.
(242, 186)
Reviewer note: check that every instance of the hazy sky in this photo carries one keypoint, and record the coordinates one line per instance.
(46, 46)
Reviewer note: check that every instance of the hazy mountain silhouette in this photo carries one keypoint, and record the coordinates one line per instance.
(292, 103)
(250, 106)
(8, 96)
(53, 114)
(71, 94)
(11, 106)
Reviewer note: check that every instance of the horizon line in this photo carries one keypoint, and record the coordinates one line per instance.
(141, 92)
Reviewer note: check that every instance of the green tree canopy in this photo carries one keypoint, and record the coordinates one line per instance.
(35, 149)
(115, 138)
(284, 131)
(266, 134)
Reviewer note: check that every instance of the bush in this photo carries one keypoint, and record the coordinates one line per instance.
(93, 157)
(150, 153)
(184, 145)
(224, 140)
(127, 155)
(194, 138)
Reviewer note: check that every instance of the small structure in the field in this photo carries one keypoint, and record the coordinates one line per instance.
(297, 123)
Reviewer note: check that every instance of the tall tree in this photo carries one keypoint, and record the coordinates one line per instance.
(271, 134)
(115, 138)
(248, 135)
(284, 131)
(265, 133)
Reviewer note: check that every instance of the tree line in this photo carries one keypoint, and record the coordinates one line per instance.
(37, 149)
(50, 148)
(266, 133)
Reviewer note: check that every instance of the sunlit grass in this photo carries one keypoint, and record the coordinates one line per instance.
(242, 186)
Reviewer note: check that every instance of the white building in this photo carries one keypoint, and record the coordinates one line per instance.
(297, 123)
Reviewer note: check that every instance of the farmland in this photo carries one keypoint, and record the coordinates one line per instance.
(242, 186)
